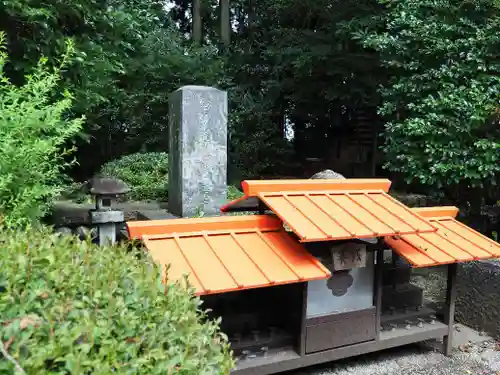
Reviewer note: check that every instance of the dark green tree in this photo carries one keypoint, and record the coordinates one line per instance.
(298, 59)
(129, 56)
(443, 92)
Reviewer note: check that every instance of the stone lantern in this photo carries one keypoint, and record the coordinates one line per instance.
(104, 217)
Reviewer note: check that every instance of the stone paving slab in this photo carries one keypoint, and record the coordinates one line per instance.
(67, 213)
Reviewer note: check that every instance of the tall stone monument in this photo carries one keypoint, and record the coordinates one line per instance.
(197, 151)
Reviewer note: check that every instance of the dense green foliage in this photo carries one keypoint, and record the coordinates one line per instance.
(441, 100)
(128, 59)
(146, 174)
(70, 307)
(427, 70)
(316, 64)
(33, 131)
(233, 193)
(298, 60)
(320, 65)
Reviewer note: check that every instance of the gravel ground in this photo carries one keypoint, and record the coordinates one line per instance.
(421, 359)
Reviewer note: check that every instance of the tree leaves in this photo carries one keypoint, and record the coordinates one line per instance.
(128, 58)
(441, 100)
(34, 130)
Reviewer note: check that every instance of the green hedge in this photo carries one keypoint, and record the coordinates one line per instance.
(233, 193)
(69, 307)
(147, 176)
(145, 173)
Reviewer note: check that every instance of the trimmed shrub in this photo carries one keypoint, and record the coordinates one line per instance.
(70, 307)
(34, 129)
(147, 176)
(233, 193)
(145, 173)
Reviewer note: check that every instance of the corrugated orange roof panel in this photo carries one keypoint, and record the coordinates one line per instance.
(252, 189)
(442, 211)
(137, 229)
(336, 215)
(229, 259)
(452, 242)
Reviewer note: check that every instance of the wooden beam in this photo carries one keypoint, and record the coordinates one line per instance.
(379, 271)
(449, 314)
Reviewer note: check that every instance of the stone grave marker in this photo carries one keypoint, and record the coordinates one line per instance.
(197, 151)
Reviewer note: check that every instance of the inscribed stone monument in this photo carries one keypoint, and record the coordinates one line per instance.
(197, 151)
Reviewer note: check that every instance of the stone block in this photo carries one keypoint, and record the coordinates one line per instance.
(403, 296)
(398, 275)
(67, 213)
(197, 151)
(109, 216)
(158, 214)
(478, 296)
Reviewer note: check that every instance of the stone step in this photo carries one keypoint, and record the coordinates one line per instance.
(158, 214)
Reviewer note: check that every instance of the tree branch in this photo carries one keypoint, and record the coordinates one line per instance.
(11, 359)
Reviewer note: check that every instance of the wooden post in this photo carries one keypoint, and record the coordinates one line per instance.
(196, 21)
(302, 336)
(262, 207)
(449, 314)
(395, 262)
(379, 271)
(225, 22)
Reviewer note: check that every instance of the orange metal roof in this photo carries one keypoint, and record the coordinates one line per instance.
(137, 229)
(335, 215)
(441, 211)
(252, 188)
(325, 210)
(452, 242)
(223, 254)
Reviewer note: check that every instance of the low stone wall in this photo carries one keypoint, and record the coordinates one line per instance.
(478, 300)
(414, 200)
(73, 218)
(68, 213)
